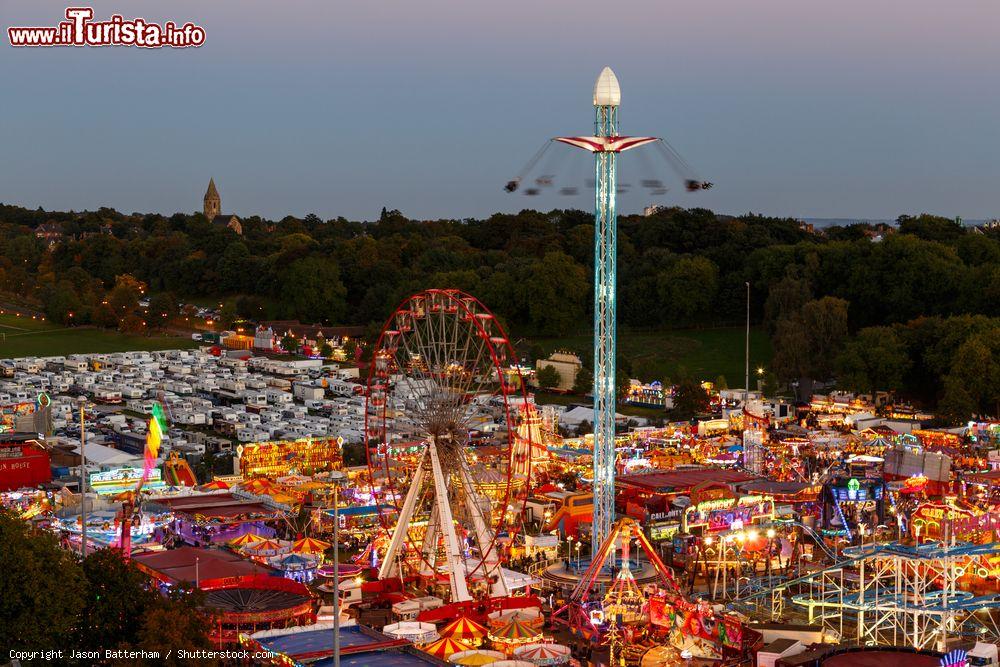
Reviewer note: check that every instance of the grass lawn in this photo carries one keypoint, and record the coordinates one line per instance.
(24, 337)
(704, 353)
(12, 324)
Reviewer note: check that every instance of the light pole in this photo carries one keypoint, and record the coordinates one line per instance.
(83, 479)
(746, 377)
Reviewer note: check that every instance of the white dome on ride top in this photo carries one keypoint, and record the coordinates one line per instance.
(607, 92)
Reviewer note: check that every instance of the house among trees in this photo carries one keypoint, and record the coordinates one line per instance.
(213, 208)
(50, 232)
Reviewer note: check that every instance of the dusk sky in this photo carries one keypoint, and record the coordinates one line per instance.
(854, 108)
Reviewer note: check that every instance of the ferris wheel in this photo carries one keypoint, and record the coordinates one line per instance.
(441, 371)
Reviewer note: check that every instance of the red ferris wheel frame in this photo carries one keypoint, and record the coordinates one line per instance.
(500, 354)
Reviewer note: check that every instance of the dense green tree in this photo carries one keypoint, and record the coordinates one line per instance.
(124, 296)
(931, 227)
(806, 344)
(556, 287)
(690, 399)
(290, 344)
(826, 321)
(43, 588)
(311, 291)
(785, 299)
(583, 383)
(687, 289)
(162, 309)
(235, 268)
(61, 303)
(117, 595)
(177, 621)
(957, 405)
(929, 278)
(548, 377)
(875, 360)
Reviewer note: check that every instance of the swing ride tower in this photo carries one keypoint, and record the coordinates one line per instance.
(607, 96)
(605, 145)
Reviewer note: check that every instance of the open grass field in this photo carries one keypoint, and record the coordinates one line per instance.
(24, 337)
(704, 353)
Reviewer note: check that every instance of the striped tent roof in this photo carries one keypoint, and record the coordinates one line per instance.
(309, 545)
(258, 485)
(445, 647)
(265, 545)
(245, 539)
(543, 654)
(216, 485)
(464, 629)
(476, 658)
(514, 632)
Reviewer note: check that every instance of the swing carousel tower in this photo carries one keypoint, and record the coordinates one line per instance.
(606, 144)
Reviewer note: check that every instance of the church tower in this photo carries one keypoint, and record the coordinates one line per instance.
(213, 202)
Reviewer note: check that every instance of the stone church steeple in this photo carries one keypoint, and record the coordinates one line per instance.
(213, 202)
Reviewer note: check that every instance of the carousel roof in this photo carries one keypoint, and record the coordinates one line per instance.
(462, 628)
(543, 653)
(265, 545)
(476, 657)
(253, 600)
(246, 539)
(445, 647)
(310, 545)
(295, 559)
(514, 631)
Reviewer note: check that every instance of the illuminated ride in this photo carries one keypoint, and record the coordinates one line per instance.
(437, 372)
(606, 144)
(130, 499)
(593, 615)
(893, 594)
(177, 471)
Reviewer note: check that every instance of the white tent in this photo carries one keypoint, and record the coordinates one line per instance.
(418, 633)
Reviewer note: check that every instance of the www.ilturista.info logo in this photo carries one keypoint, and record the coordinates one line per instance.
(81, 30)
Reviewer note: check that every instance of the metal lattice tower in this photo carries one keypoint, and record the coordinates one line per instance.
(606, 144)
(607, 95)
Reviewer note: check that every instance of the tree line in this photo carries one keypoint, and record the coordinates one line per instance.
(828, 298)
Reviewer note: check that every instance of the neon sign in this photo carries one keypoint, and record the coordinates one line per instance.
(723, 513)
(120, 480)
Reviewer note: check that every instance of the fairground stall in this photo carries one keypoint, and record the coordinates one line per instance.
(24, 462)
(278, 458)
(652, 493)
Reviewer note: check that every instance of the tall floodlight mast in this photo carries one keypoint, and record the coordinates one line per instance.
(605, 144)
